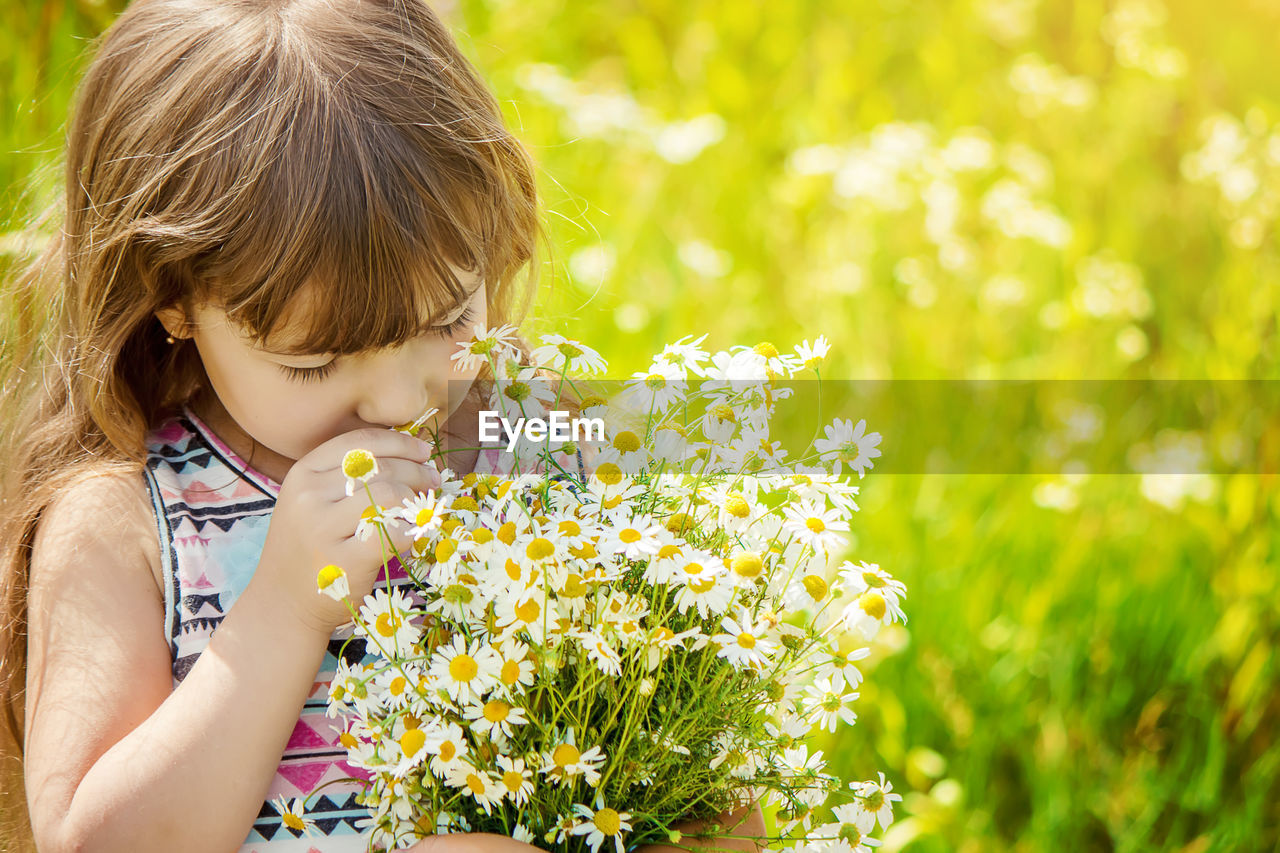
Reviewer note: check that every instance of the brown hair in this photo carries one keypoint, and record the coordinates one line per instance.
(236, 151)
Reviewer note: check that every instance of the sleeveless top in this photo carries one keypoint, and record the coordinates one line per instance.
(212, 512)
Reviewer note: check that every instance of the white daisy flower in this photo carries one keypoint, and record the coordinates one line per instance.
(812, 355)
(522, 833)
(359, 466)
(705, 587)
(634, 538)
(425, 512)
(602, 825)
(516, 778)
(465, 671)
(387, 622)
(374, 517)
(838, 667)
(293, 815)
(559, 353)
(684, 353)
(398, 684)
(332, 581)
(875, 799)
(626, 451)
(447, 745)
(820, 528)
(484, 344)
(846, 444)
(478, 784)
(827, 705)
(655, 390)
(565, 762)
(495, 717)
(807, 591)
(743, 644)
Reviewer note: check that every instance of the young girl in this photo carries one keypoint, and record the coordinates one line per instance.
(280, 218)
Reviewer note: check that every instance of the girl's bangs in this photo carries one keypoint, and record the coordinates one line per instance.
(344, 240)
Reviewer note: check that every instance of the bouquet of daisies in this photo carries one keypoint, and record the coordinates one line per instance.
(590, 660)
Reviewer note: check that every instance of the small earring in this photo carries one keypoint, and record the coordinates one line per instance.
(169, 339)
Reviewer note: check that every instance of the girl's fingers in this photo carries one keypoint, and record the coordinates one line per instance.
(382, 443)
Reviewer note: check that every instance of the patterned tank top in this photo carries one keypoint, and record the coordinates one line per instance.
(212, 512)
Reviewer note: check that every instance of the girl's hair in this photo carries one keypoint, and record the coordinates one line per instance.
(239, 151)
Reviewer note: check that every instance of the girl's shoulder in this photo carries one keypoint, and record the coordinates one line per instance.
(100, 504)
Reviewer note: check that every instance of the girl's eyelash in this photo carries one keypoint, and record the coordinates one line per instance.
(307, 374)
(454, 327)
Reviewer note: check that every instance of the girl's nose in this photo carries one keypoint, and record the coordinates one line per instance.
(397, 392)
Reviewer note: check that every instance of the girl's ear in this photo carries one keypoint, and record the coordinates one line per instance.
(175, 321)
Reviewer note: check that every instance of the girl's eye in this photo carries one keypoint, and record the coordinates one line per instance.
(456, 326)
(308, 374)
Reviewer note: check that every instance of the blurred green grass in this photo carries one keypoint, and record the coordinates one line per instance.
(993, 188)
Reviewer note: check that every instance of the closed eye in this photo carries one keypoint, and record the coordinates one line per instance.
(309, 374)
(456, 326)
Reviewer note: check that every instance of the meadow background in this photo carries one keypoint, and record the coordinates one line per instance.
(948, 190)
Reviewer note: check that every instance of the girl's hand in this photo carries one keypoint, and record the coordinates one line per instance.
(314, 522)
(469, 842)
(745, 824)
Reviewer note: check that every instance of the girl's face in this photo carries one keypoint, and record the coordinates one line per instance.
(291, 404)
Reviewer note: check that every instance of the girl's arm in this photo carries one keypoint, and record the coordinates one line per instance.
(116, 759)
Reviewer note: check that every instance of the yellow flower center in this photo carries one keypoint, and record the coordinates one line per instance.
(724, 413)
(747, 641)
(475, 784)
(529, 611)
(626, 442)
(424, 516)
(463, 668)
(680, 523)
(765, 349)
(574, 586)
(702, 585)
(387, 623)
(568, 350)
(655, 381)
(693, 568)
(512, 780)
(608, 822)
(495, 710)
(569, 527)
(398, 685)
(539, 548)
(358, 463)
(445, 549)
(737, 506)
(872, 580)
(815, 586)
(348, 740)
(411, 741)
(586, 552)
(292, 821)
(747, 565)
(510, 671)
(482, 536)
(815, 524)
(465, 502)
(609, 474)
(507, 533)
(328, 575)
(565, 754)
(448, 750)
(629, 535)
(872, 604)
